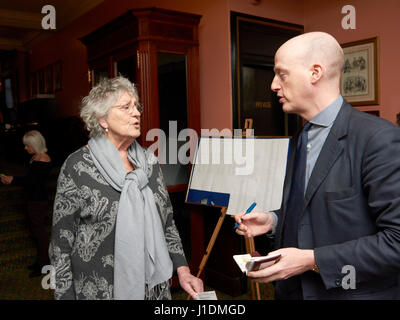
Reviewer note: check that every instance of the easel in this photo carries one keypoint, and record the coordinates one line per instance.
(255, 287)
(250, 246)
(211, 243)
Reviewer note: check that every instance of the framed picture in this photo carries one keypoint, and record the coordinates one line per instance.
(359, 82)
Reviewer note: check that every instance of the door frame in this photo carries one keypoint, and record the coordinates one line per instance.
(236, 18)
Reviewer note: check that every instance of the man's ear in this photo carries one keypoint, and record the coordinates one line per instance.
(316, 73)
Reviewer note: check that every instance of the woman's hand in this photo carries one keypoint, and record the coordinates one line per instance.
(254, 223)
(6, 179)
(189, 282)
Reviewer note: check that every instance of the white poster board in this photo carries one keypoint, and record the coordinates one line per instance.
(236, 172)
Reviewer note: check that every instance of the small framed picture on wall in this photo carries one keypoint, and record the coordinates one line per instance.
(359, 82)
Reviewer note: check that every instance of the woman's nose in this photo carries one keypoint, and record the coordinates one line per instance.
(136, 110)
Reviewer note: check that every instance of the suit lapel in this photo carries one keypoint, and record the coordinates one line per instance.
(330, 152)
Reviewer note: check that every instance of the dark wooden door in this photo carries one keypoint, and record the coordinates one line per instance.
(254, 44)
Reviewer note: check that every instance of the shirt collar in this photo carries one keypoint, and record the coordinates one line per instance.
(326, 117)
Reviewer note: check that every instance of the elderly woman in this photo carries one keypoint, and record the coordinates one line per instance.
(113, 234)
(35, 193)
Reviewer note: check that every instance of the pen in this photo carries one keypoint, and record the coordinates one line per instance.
(247, 211)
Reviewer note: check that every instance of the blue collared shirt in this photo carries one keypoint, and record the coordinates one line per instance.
(317, 134)
(319, 130)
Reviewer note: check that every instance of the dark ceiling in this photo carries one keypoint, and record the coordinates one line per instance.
(21, 20)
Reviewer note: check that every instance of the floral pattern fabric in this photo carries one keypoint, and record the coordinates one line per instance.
(83, 233)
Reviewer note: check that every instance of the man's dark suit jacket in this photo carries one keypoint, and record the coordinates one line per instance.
(351, 212)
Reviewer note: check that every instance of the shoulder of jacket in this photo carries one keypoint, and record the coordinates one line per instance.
(75, 156)
(368, 124)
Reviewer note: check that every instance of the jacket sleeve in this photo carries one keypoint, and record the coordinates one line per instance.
(274, 214)
(172, 236)
(28, 179)
(375, 255)
(65, 217)
(19, 181)
(32, 176)
(174, 242)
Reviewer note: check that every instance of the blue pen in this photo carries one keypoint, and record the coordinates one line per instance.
(247, 211)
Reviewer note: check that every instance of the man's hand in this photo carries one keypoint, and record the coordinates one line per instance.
(189, 282)
(293, 261)
(254, 223)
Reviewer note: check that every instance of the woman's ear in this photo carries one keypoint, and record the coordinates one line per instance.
(316, 73)
(103, 123)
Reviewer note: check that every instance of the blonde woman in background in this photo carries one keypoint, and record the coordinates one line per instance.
(35, 194)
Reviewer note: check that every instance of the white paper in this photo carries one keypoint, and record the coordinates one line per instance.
(207, 295)
(265, 164)
(241, 260)
(246, 261)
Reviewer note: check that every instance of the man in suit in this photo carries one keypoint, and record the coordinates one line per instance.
(338, 229)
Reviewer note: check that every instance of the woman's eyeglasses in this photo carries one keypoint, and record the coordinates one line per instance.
(130, 107)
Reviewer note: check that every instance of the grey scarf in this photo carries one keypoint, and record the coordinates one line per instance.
(141, 258)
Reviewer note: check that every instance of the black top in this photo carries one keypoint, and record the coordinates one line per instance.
(34, 181)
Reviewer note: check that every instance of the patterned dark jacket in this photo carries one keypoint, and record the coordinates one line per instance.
(83, 233)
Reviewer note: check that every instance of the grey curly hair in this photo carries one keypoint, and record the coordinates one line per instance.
(101, 98)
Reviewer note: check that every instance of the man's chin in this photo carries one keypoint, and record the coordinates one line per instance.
(286, 108)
